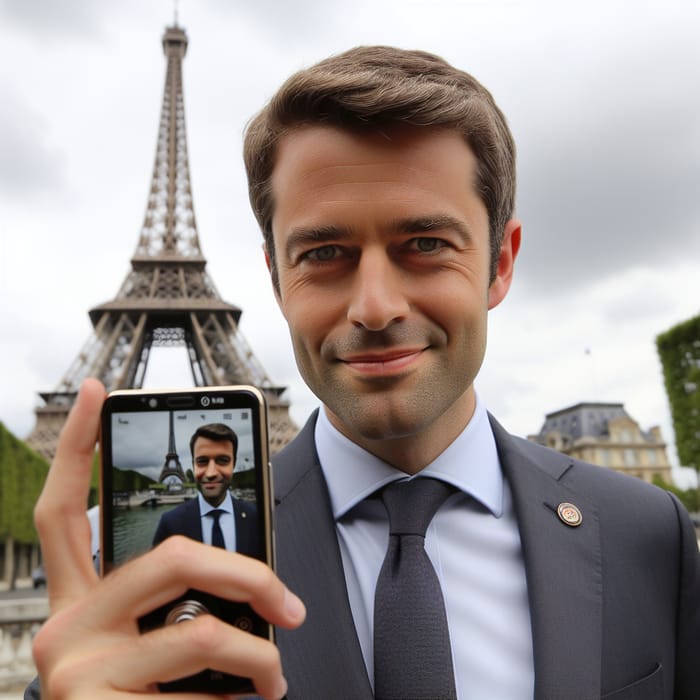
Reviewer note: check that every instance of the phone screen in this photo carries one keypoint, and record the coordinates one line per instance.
(191, 463)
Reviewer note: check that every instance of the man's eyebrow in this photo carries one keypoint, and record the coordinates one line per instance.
(313, 235)
(438, 222)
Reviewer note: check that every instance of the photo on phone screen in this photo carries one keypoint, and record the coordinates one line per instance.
(191, 463)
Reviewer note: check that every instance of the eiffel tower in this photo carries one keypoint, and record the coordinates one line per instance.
(172, 466)
(168, 297)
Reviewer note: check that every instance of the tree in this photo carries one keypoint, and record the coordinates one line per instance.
(22, 475)
(679, 351)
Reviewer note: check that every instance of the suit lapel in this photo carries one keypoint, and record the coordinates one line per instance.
(191, 520)
(322, 659)
(246, 529)
(242, 544)
(563, 570)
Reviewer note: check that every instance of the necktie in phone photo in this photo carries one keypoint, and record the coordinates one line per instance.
(217, 536)
(412, 654)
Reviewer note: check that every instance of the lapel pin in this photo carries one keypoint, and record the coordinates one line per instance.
(569, 514)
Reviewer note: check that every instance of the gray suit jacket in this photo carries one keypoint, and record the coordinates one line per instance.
(614, 603)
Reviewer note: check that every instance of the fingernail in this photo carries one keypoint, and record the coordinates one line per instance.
(293, 606)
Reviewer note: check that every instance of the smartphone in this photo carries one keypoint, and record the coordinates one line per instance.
(168, 458)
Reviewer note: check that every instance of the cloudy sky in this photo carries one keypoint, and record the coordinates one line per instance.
(602, 97)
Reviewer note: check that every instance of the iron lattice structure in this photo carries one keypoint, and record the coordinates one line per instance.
(167, 297)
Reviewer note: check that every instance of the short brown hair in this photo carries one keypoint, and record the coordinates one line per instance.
(371, 87)
(218, 432)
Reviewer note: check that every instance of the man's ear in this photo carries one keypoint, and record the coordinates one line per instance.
(506, 261)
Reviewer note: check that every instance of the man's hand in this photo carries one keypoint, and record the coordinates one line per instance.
(90, 647)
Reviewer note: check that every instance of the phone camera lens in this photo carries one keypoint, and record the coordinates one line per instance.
(152, 403)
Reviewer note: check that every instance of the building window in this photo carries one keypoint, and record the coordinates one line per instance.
(630, 458)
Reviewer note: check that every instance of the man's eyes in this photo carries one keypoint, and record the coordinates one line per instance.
(221, 461)
(419, 244)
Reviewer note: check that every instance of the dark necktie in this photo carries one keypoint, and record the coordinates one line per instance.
(412, 656)
(217, 537)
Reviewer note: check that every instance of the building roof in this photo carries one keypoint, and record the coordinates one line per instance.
(583, 420)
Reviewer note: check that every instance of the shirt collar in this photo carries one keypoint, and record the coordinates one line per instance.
(470, 463)
(205, 507)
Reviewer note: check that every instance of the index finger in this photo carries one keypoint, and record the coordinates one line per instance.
(179, 564)
(60, 512)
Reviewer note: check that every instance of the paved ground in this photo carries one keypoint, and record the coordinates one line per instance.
(21, 597)
(23, 593)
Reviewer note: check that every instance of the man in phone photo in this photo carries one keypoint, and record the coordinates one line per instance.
(214, 517)
(423, 552)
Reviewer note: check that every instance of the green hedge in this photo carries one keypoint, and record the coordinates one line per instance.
(679, 351)
(22, 476)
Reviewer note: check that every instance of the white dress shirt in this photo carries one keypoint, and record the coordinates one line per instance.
(473, 542)
(227, 521)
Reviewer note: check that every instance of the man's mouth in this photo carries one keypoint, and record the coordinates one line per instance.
(383, 363)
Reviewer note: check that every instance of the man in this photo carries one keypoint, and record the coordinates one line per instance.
(384, 181)
(213, 448)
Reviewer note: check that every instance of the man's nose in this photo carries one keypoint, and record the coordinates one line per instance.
(211, 471)
(378, 293)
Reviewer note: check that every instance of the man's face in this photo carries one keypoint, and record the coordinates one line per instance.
(383, 257)
(213, 468)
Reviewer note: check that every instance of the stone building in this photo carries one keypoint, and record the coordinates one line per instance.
(605, 434)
